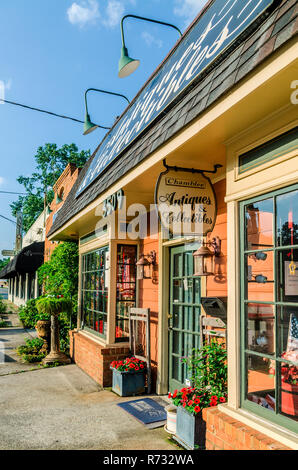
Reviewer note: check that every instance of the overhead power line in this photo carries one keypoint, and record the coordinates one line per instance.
(9, 220)
(11, 192)
(48, 112)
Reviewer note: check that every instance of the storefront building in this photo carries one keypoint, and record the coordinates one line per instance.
(226, 109)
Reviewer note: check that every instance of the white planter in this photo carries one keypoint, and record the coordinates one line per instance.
(171, 419)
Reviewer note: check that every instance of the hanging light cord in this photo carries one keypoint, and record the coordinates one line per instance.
(47, 112)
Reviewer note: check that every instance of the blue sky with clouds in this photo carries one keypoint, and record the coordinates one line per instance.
(51, 51)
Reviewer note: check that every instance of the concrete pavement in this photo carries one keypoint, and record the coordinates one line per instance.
(10, 338)
(63, 408)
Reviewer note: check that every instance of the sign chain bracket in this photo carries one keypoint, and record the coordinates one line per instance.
(191, 170)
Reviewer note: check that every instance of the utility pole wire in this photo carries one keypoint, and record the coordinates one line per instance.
(48, 112)
(11, 192)
(9, 220)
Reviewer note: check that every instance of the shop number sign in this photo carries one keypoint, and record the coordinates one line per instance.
(186, 203)
(112, 203)
(214, 34)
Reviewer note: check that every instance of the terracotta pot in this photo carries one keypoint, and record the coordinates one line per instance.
(289, 399)
(43, 328)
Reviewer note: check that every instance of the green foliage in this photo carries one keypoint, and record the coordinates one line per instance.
(53, 306)
(60, 276)
(3, 306)
(29, 314)
(3, 263)
(3, 324)
(208, 367)
(30, 352)
(50, 163)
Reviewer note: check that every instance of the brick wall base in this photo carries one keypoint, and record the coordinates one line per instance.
(93, 358)
(225, 433)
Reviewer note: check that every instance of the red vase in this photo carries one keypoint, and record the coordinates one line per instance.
(289, 399)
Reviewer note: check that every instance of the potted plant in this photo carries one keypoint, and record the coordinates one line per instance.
(208, 374)
(129, 376)
(289, 388)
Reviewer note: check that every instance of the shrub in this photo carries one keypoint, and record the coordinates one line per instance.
(29, 314)
(3, 307)
(30, 352)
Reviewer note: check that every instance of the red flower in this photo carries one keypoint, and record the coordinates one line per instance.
(170, 396)
(190, 403)
(197, 409)
(197, 401)
(184, 405)
(175, 393)
(222, 399)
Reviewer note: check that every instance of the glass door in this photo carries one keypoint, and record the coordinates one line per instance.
(184, 313)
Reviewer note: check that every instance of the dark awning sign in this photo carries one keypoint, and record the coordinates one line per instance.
(219, 30)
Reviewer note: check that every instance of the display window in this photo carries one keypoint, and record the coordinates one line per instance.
(125, 289)
(95, 290)
(269, 306)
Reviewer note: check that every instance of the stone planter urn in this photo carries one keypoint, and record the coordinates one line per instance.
(43, 328)
(54, 306)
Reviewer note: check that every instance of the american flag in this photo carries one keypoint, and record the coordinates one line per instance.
(293, 334)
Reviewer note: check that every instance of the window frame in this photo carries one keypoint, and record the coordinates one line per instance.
(104, 337)
(136, 247)
(246, 404)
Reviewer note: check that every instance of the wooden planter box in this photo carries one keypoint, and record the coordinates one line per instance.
(289, 399)
(128, 384)
(190, 430)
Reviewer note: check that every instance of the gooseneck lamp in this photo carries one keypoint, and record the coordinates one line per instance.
(89, 126)
(127, 65)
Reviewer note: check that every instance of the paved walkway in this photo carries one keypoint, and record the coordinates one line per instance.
(10, 338)
(62, 407)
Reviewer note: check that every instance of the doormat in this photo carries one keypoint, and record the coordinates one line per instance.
(149, 412)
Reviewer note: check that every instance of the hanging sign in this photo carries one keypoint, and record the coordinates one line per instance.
(186, 202)
(211, 38)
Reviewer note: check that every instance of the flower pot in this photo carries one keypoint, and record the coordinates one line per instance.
(191, 429)
(128, 384)
(43, 328)
(171, 419)
(289, 399)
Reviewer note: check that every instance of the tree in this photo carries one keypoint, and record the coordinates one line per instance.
(3, 263)
(59, 275)
(50, 163)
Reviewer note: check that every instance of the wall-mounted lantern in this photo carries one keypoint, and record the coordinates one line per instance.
(145, 265)
(203, 254)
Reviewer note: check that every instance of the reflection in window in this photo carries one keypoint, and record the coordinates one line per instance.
(126, 288)
(287, 219)
(270, 305)
(261, 381)
(95, 283)
(259, 225)
(259, 278)
(260, 328)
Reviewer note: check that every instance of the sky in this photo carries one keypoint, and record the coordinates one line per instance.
(51, 52)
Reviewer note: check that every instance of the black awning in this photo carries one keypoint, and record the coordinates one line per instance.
(27, 260)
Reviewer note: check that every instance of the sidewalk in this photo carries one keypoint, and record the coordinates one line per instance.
(63, 408)
(10, 338)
